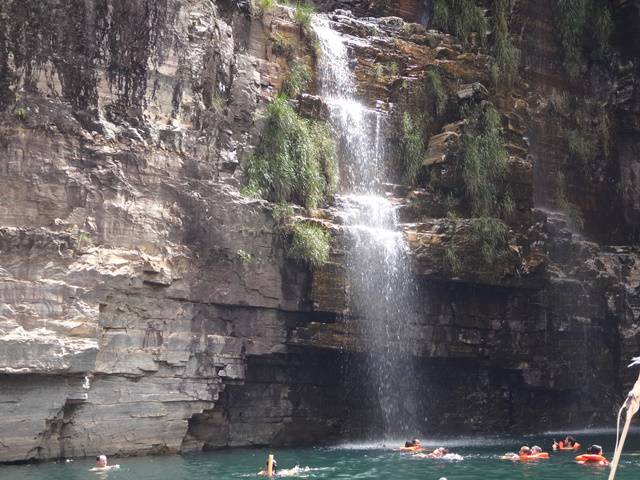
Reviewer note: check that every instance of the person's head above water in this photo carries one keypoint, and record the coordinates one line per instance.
(524, 450)
(536, 449)
(569, 441)
(101, 461)
(416, 441)
(594, 450)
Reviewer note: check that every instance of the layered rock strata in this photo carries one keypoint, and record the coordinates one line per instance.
(147, 307)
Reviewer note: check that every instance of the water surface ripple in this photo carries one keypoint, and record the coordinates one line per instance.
(350, 461)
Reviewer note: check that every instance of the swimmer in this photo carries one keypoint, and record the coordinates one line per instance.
(437, 453)
(524, 452)
(442, 453)
(411, 446)
(536, 454)
(265, 472)
(593, 456)
(569, 443)
(102, 465)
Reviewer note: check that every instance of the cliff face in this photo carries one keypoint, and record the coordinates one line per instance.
(127, 305)
(147, 307)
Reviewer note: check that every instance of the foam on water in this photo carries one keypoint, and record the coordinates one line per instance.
(301, 472)
(428, 443)
(297, 471)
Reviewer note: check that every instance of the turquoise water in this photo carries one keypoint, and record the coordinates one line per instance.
(365, 461)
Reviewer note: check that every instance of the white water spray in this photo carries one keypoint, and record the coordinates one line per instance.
(378, 268)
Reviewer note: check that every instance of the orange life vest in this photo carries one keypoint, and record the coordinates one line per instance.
(576, 446)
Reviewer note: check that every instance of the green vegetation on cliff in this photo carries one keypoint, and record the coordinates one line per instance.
(412, 146)
(583, 148)
(585, 28)
(309, 243)
(588, 157)
(298, 79)
(263, 5)
(461, 18)
(484, 159)
(564, 204)
(491, 235)
(282, 46)
(506, 54)
(295, 160)
(464, 17)
(435, 91)
(588, 139)
(422, 105)
(303, 15)
(484, 166)
(452, 261)
(21, 113)
(304, 240)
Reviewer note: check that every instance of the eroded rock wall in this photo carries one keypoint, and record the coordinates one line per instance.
(135, 280)
(147, 307)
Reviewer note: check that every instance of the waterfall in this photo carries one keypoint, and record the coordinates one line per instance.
(381, 287)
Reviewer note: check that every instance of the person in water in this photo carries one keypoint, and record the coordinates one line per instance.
(438, 453)
(593, 456)
(411, 446)
(524, 451)
(102, 464)
(274, 470)
(594, 450)
(568, 443)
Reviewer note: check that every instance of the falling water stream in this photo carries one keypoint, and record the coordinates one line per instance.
(377, 265)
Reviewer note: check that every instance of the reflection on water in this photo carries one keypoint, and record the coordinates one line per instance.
(352, 461)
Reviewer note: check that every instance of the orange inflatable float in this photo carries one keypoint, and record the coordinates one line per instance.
(534, 456)
(592, 459)
(415, 448)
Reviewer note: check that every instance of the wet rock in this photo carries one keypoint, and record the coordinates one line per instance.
(474, 93)
(433, 244)
(439, 146)
(313, 106)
